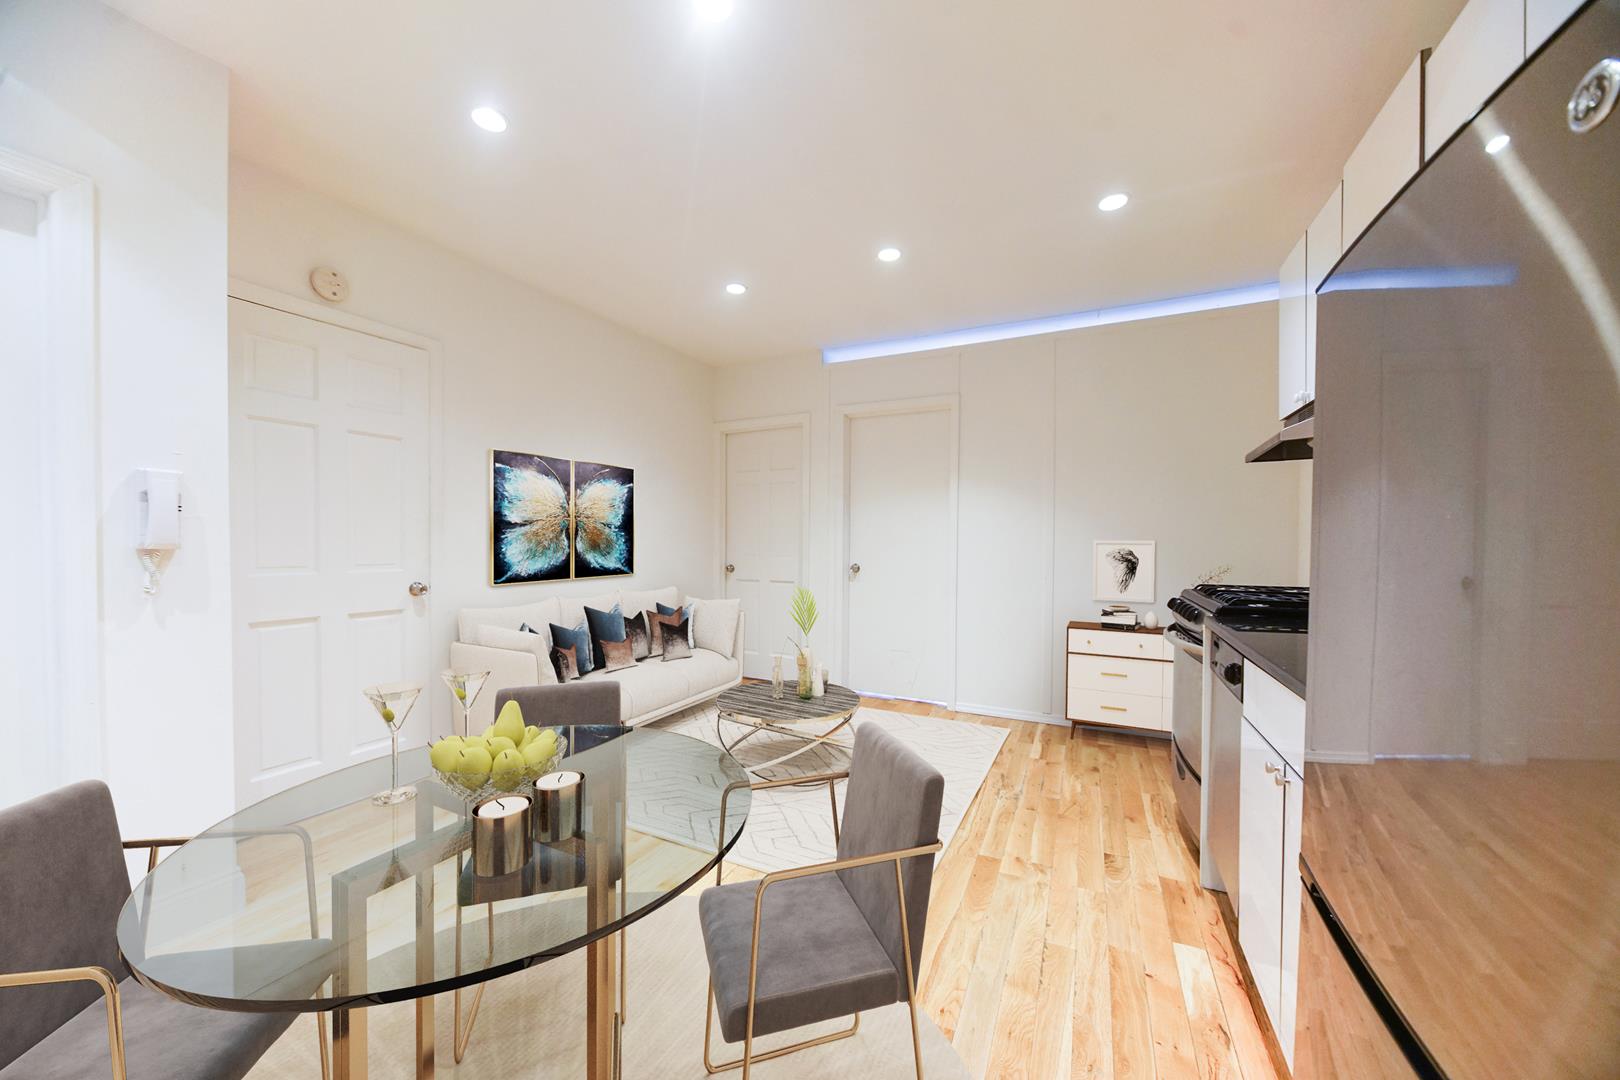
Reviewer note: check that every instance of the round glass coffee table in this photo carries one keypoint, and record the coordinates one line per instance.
(318, 900)
(753, 706)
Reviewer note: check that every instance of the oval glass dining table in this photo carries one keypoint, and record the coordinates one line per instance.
(316, 900)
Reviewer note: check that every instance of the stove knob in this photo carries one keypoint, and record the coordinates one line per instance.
(1232, 673)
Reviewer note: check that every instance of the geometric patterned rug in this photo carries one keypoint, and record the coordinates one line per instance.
(790, 827)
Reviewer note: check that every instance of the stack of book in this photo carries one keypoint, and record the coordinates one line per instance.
(1118, 617)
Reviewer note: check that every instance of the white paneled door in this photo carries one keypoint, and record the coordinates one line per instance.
(764, 543)
(329, 529)
(900, 509)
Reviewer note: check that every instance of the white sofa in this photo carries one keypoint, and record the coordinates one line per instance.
(489, 639)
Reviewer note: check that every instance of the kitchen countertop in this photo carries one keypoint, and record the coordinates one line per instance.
(1282, 656)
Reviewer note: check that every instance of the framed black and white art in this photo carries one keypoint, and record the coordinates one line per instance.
(1122, 571)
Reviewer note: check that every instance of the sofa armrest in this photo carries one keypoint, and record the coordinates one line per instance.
(737, 641)
(506, 667)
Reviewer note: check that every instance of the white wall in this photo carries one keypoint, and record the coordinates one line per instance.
(1128, 432)
(522, 370)
(88, 90)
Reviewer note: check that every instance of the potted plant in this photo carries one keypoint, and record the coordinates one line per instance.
(802, 609)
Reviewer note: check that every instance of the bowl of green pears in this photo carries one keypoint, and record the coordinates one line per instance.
(509, 756)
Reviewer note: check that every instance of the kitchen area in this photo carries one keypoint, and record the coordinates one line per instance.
(1405, 777)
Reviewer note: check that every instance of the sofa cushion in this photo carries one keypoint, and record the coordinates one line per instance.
(537, 613)
(635, 600)
(564, 663)
(676, 636)
(498, 637)
(648, 687)
(617, 655)
(710, 671)
(573, 607)
(639, 635)
(714, 623)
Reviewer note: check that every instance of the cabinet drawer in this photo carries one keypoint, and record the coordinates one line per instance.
(1116, 675)
(1130, 710)
(1276, 713)
(1119, 643)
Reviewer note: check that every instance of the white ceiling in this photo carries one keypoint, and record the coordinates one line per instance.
(653, 157)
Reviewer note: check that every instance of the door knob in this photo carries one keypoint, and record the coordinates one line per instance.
(418, 588)
(854, 568)
(731, 568)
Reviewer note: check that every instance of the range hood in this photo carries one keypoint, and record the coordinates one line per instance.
(1292, 443)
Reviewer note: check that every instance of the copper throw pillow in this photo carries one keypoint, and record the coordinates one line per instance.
(618, 654)
(675, 644)
(564, 662)
(639, 636)
(658, 624)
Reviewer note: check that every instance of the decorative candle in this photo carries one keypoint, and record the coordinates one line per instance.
(559, 807)
(500, 835)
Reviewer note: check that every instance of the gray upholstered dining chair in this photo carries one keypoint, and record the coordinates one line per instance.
(826, 941)
(63, 881)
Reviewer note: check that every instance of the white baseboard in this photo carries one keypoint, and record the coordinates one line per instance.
(1011, 714)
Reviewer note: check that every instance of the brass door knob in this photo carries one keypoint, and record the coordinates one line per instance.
(418, 588)
(854, 568)
(731, 568)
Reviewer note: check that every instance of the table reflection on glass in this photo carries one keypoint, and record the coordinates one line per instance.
(385, 908)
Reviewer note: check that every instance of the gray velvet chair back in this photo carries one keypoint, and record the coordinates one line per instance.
(62, 883)
(595, 702)
(892, 802)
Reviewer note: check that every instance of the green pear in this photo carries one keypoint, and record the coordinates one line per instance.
(476, 764)
(487, 732)
(507, 771)
(510, 723)
(498, 743)
(537, 752)
(530, 733)
(445, 753)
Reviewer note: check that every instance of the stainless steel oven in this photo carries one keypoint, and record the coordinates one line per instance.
(1187, 722)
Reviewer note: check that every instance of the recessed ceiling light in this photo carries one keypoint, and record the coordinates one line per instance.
(489, 119)
(1497, 144)
(736, 288)
(889, 254)
(1109, 203)
(714, 10)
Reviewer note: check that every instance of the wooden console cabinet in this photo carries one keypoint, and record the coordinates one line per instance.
(1118, 677)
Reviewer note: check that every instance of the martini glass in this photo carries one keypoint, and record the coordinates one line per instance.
(393, 702)
(465, 685)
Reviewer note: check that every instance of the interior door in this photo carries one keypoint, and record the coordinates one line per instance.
(901, 626)
(764, 536)
(329, 528)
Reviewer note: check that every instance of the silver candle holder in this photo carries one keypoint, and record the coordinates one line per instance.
(559, 806)
(500, 835)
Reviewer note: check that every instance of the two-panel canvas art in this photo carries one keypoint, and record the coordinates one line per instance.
(553, 519)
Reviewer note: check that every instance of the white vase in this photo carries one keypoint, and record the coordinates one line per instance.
(818, 679)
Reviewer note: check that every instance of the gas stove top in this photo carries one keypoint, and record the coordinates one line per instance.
(1270, 608)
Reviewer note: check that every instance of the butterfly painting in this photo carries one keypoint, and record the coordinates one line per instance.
(552, 519)
(530, 534)
(604, 520)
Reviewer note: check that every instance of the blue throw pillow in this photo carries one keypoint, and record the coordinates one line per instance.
(580, 638)
(605, 626)
(684, 613)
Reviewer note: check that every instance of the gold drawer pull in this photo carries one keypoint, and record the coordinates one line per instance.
(1116, 708)
(1115, 674)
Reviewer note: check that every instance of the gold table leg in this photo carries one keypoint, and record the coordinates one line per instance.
(349, 1044)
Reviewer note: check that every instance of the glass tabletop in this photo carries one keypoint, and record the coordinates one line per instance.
(315, 898)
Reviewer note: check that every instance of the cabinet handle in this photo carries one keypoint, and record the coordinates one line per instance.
(1270, 768)
(1114, 674)
(1115, 708)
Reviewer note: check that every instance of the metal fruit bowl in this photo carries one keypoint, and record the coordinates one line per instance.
(457, 783)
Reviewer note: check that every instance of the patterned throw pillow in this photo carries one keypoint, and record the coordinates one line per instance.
(580, 638)
(676, 645)
(658, 624)
(564, 663)
(617, 654)
(639, 636)
(683, 613)
(605, 626)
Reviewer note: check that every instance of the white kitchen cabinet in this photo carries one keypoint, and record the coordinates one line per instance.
(1291, 331)
(1324, 243)
(1483, 47)
(1388, 155)
(1271, 800)
(1542, 17)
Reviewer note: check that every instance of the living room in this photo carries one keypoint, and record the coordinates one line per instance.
(616, 426)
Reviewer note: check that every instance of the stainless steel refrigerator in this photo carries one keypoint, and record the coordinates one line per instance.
(1461, 836)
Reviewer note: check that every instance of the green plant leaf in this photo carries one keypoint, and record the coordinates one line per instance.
(802, 609)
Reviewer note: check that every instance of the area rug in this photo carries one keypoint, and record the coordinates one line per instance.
(532, 1024)
(790, 827)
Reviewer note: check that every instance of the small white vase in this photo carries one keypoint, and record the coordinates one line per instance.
(818, 679)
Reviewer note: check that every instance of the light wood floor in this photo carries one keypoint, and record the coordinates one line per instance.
(1067, 935)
